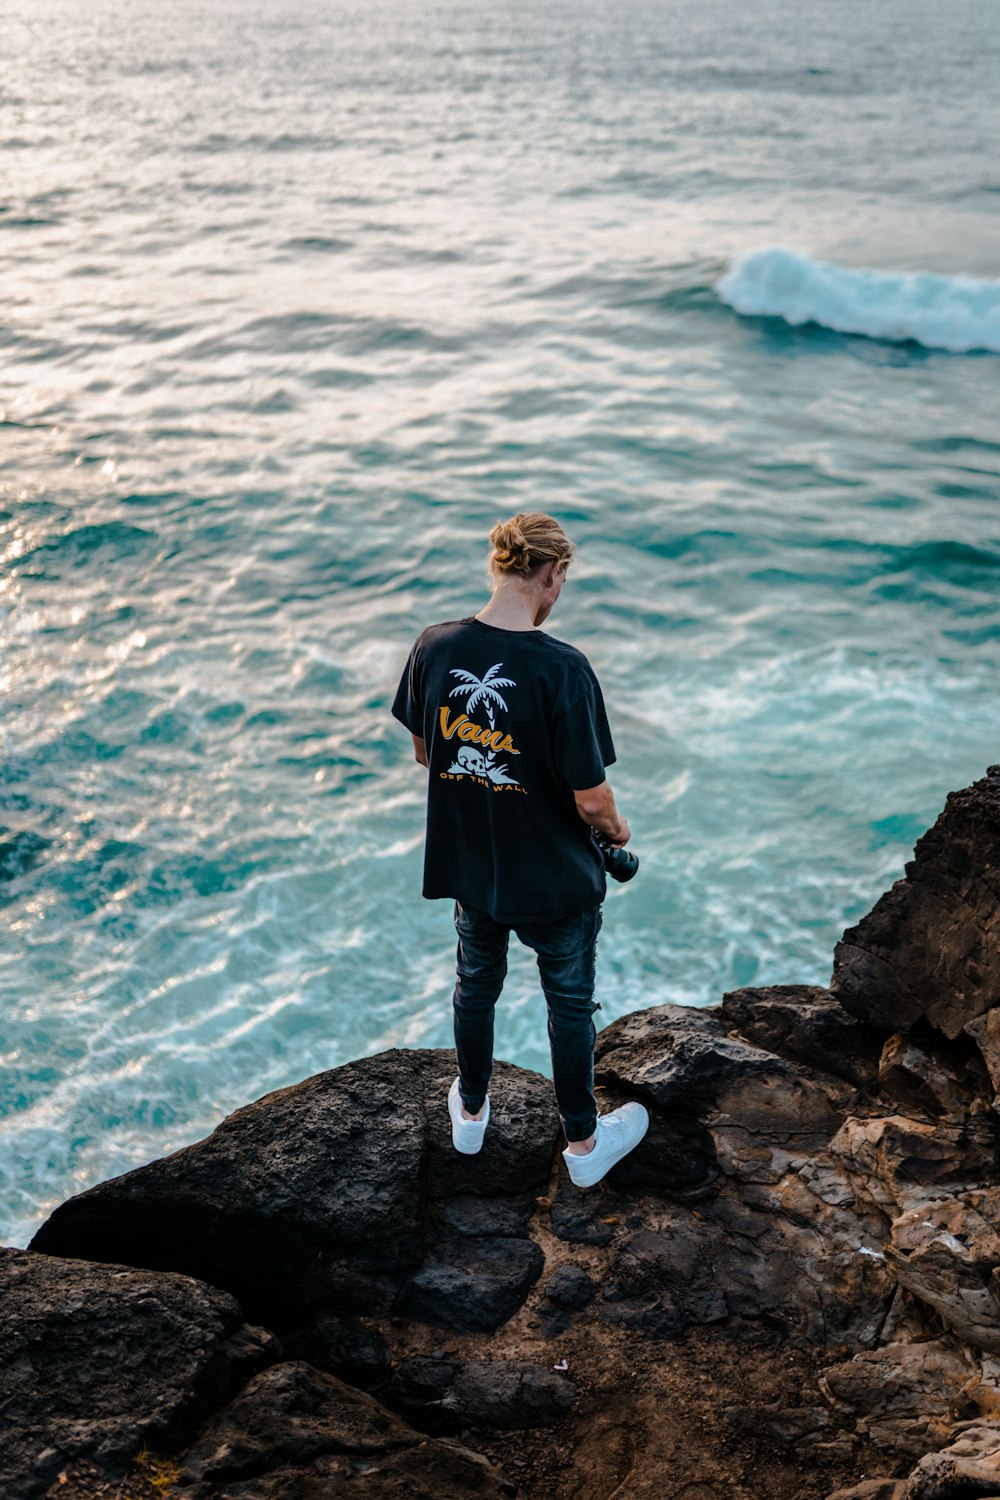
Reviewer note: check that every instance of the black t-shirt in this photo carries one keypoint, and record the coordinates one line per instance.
(514, 723)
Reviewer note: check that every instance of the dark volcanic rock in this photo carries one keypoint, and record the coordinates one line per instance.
(504, 1217)
(570, 1287)
(752, 1258)
(569, 1290)
(517, 1151)
(341, 1347)
(320, 1195)
(662, 1283)
(788, 1426)
(675, 1157)
(928, 947)
(683, 1058)
(296, 1432)
(447, 1397)
(419, 1386)
(333, 1163)
(582, 1218)
(678, 1057)
(807, 1023)
(98, 1360)
(472, 1283)
(500, 1393)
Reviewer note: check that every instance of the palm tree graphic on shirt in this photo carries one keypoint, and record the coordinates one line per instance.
(470, 761)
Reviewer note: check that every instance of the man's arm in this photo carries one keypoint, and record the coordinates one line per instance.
(419, 748)
(596, 806)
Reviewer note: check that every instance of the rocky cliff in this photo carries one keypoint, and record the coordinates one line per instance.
(791, 1287)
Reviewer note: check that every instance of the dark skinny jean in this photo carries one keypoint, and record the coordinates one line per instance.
(567, 954)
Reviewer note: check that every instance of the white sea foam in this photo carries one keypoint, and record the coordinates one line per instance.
(958, 313)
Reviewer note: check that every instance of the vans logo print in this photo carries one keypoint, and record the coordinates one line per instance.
(481, 743)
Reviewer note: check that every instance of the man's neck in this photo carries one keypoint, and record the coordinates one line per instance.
(510, 609)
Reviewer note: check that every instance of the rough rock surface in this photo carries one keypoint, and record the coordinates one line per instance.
(811, 1221)
(928, 947)
(471, 1282)
(967, 1469)
(782, 1239)
(334, 1195)
(96, 1360)
(907, 1396)
(342, 1347)
(295, 1431)
(807, 1023)
(447, 1396)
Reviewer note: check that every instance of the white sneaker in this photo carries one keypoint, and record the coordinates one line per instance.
(615, 1136)
(466, 1135)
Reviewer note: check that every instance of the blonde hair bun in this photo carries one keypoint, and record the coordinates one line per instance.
(526, 542)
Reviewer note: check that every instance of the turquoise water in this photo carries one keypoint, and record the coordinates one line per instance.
(297, 300)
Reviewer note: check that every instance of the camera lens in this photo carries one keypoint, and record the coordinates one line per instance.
(619, 863)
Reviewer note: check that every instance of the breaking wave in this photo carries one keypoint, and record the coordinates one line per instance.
(958, 313)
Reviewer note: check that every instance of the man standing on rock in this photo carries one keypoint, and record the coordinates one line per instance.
(511, 725)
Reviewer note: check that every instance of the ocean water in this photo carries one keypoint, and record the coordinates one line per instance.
(297, 300)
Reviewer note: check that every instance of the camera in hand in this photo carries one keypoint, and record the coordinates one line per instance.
(619, 863)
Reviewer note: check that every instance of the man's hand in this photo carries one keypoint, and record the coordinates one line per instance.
(596, 806)
(623, 837)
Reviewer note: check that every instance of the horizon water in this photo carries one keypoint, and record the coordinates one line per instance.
(298, 299)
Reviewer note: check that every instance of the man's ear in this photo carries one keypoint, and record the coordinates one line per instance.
(547, 573)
